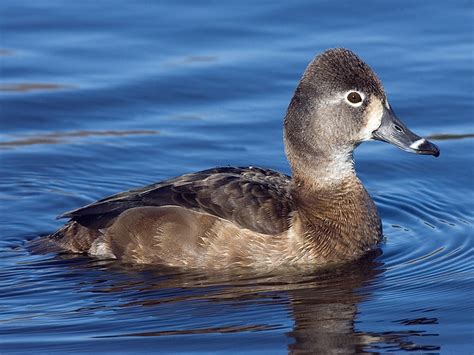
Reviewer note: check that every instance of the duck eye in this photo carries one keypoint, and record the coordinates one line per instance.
(354, 97)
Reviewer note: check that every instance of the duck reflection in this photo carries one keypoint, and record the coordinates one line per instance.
(324, 313)
(322, 304)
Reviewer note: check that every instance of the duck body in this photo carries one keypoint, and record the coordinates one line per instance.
(227, 217)
(256, 217)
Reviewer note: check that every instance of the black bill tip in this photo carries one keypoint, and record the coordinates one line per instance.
(423, 146)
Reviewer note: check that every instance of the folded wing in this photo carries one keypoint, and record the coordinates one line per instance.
(253, 198)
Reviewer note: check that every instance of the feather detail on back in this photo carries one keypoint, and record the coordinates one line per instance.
(253, 198)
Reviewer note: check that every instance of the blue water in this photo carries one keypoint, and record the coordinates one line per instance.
(98, 97)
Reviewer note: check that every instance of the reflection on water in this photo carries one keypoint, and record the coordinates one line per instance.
(322, 304)
(26, 87)
(61, 137)
(192, 59)
(5, 52)
(449, 136)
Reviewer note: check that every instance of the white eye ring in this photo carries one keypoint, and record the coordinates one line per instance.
(354, 104)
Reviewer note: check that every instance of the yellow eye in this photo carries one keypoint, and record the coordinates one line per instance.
(354, 97)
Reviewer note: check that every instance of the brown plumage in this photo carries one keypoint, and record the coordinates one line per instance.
(257, 217)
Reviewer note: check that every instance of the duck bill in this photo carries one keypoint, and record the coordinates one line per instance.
(393, 131)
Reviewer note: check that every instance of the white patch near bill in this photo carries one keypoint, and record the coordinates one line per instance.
(387, 105)
(374, 114)
(415, 145)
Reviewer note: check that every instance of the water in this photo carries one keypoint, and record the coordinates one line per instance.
(99, 97)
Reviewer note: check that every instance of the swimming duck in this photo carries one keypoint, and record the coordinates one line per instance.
(257, 217)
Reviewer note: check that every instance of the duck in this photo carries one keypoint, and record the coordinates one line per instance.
(256, 217)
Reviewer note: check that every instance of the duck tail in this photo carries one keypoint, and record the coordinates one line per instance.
(71, 237)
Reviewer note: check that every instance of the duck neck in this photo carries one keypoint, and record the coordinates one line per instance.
(315, 159)
(317, 169)
(337, 222)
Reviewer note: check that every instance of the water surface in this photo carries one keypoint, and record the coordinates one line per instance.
(99, 97)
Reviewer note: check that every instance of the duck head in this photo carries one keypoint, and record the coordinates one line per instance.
(338, 104)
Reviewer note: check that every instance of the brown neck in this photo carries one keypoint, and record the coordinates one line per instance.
(339, 220)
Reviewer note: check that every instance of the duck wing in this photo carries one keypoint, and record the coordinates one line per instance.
(253, 198)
